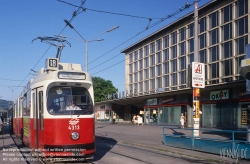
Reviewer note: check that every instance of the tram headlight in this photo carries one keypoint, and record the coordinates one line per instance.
(75, 135)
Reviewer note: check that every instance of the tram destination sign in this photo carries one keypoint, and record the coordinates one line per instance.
(71, 75)
(198, 75)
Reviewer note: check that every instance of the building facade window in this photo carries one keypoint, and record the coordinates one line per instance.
(191, 45)
(159, 58)
(190, 58)
(135, 66)
(183, 77)
(135, 77)
(140, 76)
(146, 85)
(240, 45)
(152, 60)
(159, 70)
(141, 53)
(146, 51)
(203, 41)
(174, 79)
(146, 62)
(203, 25)
(130, 68)
(166, 80)
(152, 72)
(159, 47)
(191, 30)
(174, 38)
(152, 47)
(182, 47)
(152, 84)
(227, 49)
(159, 82)
(203, 56)
(146, 74)
(136, 55)
(174, 52)
(227, 67)
(241, 7)
(166, 67)
(242, 26)
(227, 31)
(214, 70)
(183, 63)
(214, 55)
(131, 78)
(140, 87)
(140, 64)
(174, 65)
(130, 58)
(182, 33)
(227, 13)
(214, 37)
(166, 41)
(214, 20)
(166, 54)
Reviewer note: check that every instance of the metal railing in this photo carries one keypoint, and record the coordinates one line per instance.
(226, 143)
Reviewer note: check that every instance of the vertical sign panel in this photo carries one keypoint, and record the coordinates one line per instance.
(198, 75)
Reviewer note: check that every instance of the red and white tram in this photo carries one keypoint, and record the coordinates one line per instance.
(42, 117)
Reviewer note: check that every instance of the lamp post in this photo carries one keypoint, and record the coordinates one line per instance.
(91, 40)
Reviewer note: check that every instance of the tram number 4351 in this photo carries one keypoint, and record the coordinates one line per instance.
(74, 127)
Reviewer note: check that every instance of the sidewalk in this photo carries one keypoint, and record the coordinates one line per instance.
(9, 152)
(151, 136)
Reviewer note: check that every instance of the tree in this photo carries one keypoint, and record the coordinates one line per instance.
(102, 88)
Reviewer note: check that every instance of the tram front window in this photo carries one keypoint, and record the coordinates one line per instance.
(69, 101)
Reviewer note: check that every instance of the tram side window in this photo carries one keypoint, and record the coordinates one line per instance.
(26, 104)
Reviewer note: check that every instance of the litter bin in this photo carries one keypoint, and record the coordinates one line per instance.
(248, 134)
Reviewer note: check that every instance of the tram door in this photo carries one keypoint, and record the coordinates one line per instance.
(37, 97)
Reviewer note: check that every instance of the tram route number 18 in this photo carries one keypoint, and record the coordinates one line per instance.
(52, 63)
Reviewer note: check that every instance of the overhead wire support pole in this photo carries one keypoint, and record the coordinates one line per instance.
(196, 31)
(196, 90)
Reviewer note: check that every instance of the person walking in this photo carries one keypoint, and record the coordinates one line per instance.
(182, 120)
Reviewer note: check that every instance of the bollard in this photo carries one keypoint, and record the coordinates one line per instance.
(248, 134)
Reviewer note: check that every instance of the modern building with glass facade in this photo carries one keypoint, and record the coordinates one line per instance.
(158, 74)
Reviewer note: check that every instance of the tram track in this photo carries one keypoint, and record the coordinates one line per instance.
(148, 150)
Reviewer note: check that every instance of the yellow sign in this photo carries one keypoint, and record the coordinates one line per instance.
(248, 62)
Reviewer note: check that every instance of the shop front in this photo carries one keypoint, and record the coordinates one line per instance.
(225, 109)
(103, 113)
(165, 110)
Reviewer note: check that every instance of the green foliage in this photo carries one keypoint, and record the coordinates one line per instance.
(102, 87)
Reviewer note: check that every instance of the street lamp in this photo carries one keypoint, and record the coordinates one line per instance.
(91, 40)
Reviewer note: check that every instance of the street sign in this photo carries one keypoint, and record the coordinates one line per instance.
(198, 75)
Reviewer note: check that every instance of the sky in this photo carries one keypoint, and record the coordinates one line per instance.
(25, 20)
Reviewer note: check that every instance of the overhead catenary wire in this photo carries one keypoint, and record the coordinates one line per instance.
(107, 12)
(80, 9)
(75, 13)
(148, 27)
(132, 54)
